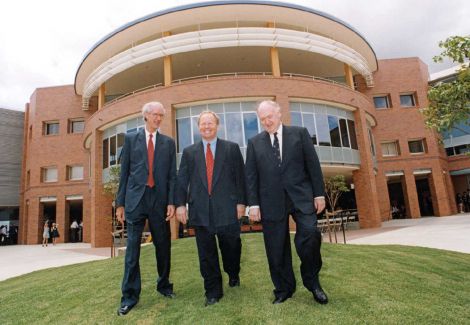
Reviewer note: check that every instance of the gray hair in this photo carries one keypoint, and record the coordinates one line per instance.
(147, 107)
(270, 103)
(210, 113)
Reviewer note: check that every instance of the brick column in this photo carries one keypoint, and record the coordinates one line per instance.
(411, 195)
(61, 213)
(384, 197)
(439, 193)
(364, 179)
(101, 208)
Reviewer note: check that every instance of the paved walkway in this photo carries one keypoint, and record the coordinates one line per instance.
(450, 233)
(22, 259)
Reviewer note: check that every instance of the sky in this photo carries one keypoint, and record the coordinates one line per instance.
(43, 42)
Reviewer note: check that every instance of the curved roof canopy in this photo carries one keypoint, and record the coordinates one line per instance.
(222, 24)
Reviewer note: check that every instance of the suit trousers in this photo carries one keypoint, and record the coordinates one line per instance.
(278, 250)
(230, 247)
(161, 237)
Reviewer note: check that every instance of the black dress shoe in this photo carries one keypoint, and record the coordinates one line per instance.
(169, 295)
(123, 310)
(234, 282)
(279, 300)
(211, 301)
(320, 296)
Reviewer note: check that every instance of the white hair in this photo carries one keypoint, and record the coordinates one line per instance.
(148, 107)
(270, 103)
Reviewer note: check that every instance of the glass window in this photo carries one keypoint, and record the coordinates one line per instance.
(105, 153)
(49, 174)
(196, 134)
(51, 128)
(120, 144)
(407, 100)
(76, 126)
(296, 119)
(352, 134)
(372, 143)
(390, 149)
(183, 130)
(381, 102)
(221, 129)
(112, 151)
(334, 131)
(250, 124)
(75, 173)
(323, 132)
(416, 146)
(309, 123)
(450, 151)
(462, 149)
(234, 128)
(344, 133)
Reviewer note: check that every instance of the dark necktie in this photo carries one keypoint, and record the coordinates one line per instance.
(209, 167)
(277, 150)
(150, 154)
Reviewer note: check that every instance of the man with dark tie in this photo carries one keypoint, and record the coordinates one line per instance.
(211, 181)
(146, 192)
(283, 177)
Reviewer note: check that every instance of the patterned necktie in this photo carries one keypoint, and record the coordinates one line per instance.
(277, 150)
(150, 154)
(209, 167)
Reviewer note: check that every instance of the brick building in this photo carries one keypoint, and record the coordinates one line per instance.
(362, 113)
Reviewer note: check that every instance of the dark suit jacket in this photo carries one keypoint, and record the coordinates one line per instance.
(299, 175)
(228, 184)
(134, 170)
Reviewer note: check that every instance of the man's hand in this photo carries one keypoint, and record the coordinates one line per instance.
(240, 210)
(319, 203)
(181, 214)
(255, 214)
(120, 215)
(170, 212)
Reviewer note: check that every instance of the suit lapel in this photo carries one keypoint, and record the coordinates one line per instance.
(200, 161)
(158, 150)
(142, 147)
(220, 154)
(285, 146)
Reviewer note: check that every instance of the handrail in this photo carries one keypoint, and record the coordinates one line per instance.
(227, 74)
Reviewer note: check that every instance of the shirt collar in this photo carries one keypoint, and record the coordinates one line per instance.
(147, 133)
(213, 142)
(279, 131)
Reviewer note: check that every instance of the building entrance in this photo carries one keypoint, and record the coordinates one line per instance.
(397, 198)
(424, 196)
(74, 218)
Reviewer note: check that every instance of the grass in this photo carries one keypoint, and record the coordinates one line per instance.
(365, 284)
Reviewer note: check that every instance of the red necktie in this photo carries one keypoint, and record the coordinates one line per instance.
(209, 167)
(150, 152)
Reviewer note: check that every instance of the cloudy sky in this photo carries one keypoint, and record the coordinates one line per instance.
(43, 42)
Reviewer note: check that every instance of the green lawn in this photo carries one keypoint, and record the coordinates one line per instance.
(365, 284)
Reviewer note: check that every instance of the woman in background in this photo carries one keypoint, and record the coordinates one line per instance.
(45, 234)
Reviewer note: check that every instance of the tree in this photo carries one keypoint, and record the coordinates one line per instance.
(334, 187)
(449, 102)
(111, 187)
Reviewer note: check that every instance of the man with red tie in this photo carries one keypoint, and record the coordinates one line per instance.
(146, 192)
(211, 182)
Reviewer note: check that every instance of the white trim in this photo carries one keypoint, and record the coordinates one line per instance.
(224, 37)
(73, 197)
(48, 199)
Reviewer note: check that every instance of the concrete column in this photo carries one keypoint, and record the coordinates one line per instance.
(411, 195)
(364, 179)
(101, 96)
(167, 68)
(274, 54)
(348, 75)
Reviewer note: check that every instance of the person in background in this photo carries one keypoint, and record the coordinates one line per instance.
(74, 231)
(54, 233)
(45, 234)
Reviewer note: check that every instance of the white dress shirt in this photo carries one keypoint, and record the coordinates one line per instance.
(147, 137)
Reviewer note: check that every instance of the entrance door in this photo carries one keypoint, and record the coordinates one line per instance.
(424, 197)
(397, 198)
(75, 213)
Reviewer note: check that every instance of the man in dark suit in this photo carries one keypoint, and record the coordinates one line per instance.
(146, 192)
(211, 180)
(283, 178)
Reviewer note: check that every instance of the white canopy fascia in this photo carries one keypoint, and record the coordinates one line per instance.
(224, 37)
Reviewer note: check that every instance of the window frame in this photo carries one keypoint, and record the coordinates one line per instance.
(45, 125)
(387, 101)
(70, 125)
(69, 173)
(413, 99)
(44, 173)
(423, 144)
(397, 148)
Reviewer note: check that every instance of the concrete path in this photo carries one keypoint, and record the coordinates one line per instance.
(21, 259)
(451, 233)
